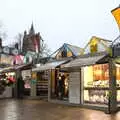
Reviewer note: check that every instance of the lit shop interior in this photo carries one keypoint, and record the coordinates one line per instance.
(7, 84)
(42, 83)
(65, 84)
(9, 77)
(96, 84)
(55, 85)
(118, 82)
(26, 75)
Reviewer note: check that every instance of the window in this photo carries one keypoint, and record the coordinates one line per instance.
(96, 84)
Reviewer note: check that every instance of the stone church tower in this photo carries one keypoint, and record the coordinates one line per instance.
(31, 41)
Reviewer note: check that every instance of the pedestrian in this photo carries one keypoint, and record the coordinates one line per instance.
(61, 86)
(20, 87)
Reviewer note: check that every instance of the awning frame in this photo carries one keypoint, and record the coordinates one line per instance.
(77, 63)
(49, 66)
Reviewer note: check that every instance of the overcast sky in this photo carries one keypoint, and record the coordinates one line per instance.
(60, 21)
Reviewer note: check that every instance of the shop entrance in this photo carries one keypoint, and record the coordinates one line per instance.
(26, 76)
(60, 85)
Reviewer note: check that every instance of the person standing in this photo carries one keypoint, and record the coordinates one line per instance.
(20, 87)
(61, 86)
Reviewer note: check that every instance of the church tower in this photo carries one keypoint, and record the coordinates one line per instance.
(31, 41)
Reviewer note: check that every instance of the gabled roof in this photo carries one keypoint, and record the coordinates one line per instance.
(67, 48)
(99, 44)
(75, 49)
(86, 60)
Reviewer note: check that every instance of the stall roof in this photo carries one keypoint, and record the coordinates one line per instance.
(84, 61)
(47, 66)
(23, 66)
(7, 69)
(15, 67)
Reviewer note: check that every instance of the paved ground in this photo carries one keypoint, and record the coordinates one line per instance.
(41, 110)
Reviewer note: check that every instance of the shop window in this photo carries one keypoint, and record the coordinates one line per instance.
(96, 84)
(118, 82)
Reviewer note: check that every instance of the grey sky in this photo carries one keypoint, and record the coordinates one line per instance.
(60, 21)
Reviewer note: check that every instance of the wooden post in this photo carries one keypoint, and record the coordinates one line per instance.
(33, 89)
(18, 74)
(33, 84)
(112, 104)
(49, 84)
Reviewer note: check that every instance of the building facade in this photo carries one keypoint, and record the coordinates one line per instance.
(31, 41)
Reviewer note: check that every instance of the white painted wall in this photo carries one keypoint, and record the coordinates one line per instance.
(74, 87)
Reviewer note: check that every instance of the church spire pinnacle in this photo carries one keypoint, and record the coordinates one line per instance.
(32, 31)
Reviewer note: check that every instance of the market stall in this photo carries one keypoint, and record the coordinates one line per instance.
(7, 83)
(47, 79)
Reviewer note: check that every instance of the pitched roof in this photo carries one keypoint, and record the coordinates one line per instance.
(102, 44)
(75, 50)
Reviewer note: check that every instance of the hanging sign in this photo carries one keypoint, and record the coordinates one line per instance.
(34, 75)
(116, 13)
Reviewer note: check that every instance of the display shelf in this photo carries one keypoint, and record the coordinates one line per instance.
(42, 84)
(96, 88)
(42, 88)
(118, 88)
(91, 102)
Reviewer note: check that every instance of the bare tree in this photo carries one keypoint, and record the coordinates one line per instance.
(3, 34)
(19, 40)
(44, 50)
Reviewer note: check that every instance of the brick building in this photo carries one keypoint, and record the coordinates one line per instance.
(31, 41)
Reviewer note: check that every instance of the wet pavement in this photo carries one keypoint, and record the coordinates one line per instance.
(11, 109)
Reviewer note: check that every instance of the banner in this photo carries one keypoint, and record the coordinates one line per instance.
(116, 13)
(36, 45)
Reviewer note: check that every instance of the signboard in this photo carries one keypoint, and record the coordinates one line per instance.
(26, 73)
(116, 14)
